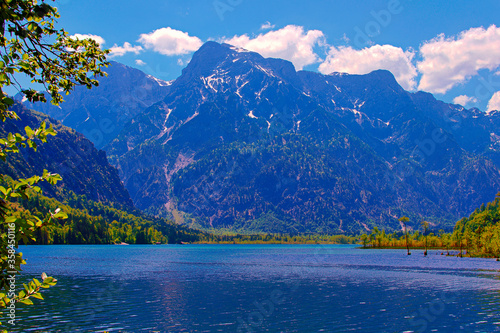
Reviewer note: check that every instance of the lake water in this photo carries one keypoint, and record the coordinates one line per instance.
(259, 288)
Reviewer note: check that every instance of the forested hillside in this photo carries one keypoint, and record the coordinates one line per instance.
(84, 169)
(90, 222)
(480, 232)
(99, 208)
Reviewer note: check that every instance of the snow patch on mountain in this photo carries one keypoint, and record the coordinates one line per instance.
(257, 94)
(212, 82)
(162, 83)
(265, 70)
(358, 104)
(251, 115)
(191, 118)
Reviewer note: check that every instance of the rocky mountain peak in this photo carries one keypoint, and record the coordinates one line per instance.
(240, 140)
(219, 60)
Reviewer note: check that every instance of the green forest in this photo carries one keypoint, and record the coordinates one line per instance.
(475, 236)
(90, 222)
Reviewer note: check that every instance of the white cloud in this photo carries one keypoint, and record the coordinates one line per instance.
(180, 62)
(118, 51)
(388, 57)
(291, 43)
(98, 39)
(494, 103)
(140, 62)
(448, 62)
(464, 100)
(267, 26)
(170, 42)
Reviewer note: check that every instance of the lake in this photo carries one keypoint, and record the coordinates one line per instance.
(259, 288)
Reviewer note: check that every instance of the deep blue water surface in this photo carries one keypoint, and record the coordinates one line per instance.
(259, 288)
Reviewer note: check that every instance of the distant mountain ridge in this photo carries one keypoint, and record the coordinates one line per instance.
(244, 142)
(100, 113)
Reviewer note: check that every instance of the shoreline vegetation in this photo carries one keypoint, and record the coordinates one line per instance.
(475, 236)
(91, 222)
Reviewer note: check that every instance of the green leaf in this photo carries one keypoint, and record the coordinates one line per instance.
(26, 301)
(29, 131)
(60, 215)
(50, 281)
(10, 219)
(37, 295)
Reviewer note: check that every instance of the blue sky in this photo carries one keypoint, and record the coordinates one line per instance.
(449, 48)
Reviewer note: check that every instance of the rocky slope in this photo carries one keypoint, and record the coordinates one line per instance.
(241, 141)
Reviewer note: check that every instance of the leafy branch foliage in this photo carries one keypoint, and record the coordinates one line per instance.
(32, 289)
(32, 46)
(14, 228)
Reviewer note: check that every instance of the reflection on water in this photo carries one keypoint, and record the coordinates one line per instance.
(259, 289)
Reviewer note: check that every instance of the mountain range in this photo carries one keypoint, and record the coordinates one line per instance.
(102, 112)
(248, 143)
